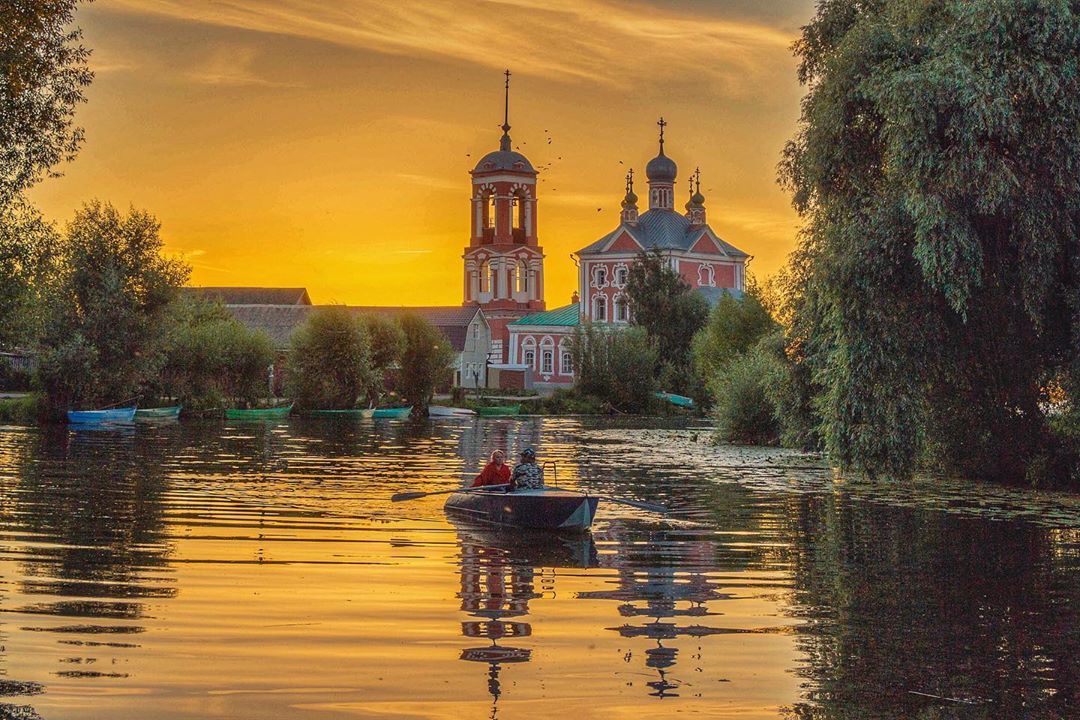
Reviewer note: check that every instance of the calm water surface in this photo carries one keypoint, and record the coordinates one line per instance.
(210, 571)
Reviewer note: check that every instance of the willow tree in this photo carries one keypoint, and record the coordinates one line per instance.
(937, 166)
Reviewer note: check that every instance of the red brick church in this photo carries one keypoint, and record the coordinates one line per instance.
(504, 263)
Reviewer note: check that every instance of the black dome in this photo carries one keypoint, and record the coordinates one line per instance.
(661, 169)
(504, 160)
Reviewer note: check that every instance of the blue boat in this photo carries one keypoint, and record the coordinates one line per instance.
(112, 416)
(386, 413)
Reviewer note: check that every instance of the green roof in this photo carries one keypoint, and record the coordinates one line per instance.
(567, 316)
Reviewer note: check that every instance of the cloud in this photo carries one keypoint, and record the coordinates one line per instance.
(612, 42)
(230, 66)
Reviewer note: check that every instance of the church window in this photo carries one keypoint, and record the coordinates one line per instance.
(600, 308)
(706, 276)
(547, 365)
(518, 215)
(600, 276)
(622, 310)
(489, 216)
(566, 363)
(523, 276)
(530, 358)
(485, 277)
(621, 275)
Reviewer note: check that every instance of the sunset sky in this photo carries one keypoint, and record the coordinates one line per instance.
(328, 144)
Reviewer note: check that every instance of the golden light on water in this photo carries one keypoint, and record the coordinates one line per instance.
(327, 145)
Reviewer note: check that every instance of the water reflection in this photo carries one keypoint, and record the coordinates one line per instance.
(501, 572)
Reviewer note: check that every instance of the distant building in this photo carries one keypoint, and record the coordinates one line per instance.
(465, 328)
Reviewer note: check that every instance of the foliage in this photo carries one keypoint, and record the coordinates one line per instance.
(23, 410)
(26, 242)
(567, 401)
(733, 327)
(43, 72)
(617, 367)
(211, 359)
(387, 342)
(934, 288)
(744, 410)
(670, 311)
(103, 308)
(426, 362)
(329, 362)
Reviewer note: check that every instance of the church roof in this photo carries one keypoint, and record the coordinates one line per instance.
(664, 230)
(712, 295)
(504, 160)
(252, 295)
(567, 316)
(280, 321)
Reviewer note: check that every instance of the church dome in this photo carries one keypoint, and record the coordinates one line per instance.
(504, 160)
(661, 169)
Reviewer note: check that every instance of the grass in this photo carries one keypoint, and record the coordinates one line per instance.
(23, 410)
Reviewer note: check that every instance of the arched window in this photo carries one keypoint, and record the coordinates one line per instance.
(485, 277)
(566, 361)
(706, 276)
(528, 352)
(622, 309)
(522, 276)
(518, 215)
(621, 276)
(547, 362)
(599, 308)
(600, 276)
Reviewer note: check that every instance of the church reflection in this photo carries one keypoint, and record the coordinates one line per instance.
(501, 573)
(663, 587)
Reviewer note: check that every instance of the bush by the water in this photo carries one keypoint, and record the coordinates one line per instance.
(211, 359)
(24, 410)
(426, 359)
(745, 408)
(329, 361)
(617, 367)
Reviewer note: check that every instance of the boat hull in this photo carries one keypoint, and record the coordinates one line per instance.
(543, 509)
(442, 411)
(157, 414)
(278, 413)
(113, 416)
(499, 410)
(387, 413)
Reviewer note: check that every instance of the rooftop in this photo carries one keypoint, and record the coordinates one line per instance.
(665, 230)
(567, 316)
(252, 295)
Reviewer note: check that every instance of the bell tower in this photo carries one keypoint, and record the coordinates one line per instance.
(504, 263)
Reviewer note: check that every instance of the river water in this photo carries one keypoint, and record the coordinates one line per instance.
(260, 571)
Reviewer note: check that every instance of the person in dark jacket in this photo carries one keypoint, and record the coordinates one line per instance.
(527, 474)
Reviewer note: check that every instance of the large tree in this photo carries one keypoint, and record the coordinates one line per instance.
(426, 362)
(106, 308)
(43, 72)
(934, 289)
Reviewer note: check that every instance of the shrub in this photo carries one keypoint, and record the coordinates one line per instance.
(617, 367)
(329, 362)
(426, 362)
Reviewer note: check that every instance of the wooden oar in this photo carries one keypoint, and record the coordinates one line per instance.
(398, 497)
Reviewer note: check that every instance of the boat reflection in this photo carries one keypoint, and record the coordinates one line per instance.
(502, 571)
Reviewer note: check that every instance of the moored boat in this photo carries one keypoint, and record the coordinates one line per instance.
(678, 400)
(539, 509)
(443, 411)
(111, 416)
(160, 414)
(274, 413)
(499, 410)
(385, 413)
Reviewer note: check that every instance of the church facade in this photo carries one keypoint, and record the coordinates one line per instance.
(504, 263)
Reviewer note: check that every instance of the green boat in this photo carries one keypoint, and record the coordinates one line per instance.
(160, 414)
(384, 413)
(499, 410)
(274, 413)
(350, 413)
(679, 400)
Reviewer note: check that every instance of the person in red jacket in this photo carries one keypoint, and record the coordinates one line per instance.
(496, 472)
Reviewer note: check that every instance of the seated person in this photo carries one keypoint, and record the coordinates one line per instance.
(496, 472)
(527, 474)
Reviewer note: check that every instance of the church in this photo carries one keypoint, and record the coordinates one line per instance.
(504, 262)
(503, 333)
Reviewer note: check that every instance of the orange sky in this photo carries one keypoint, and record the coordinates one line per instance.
(327, 145)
